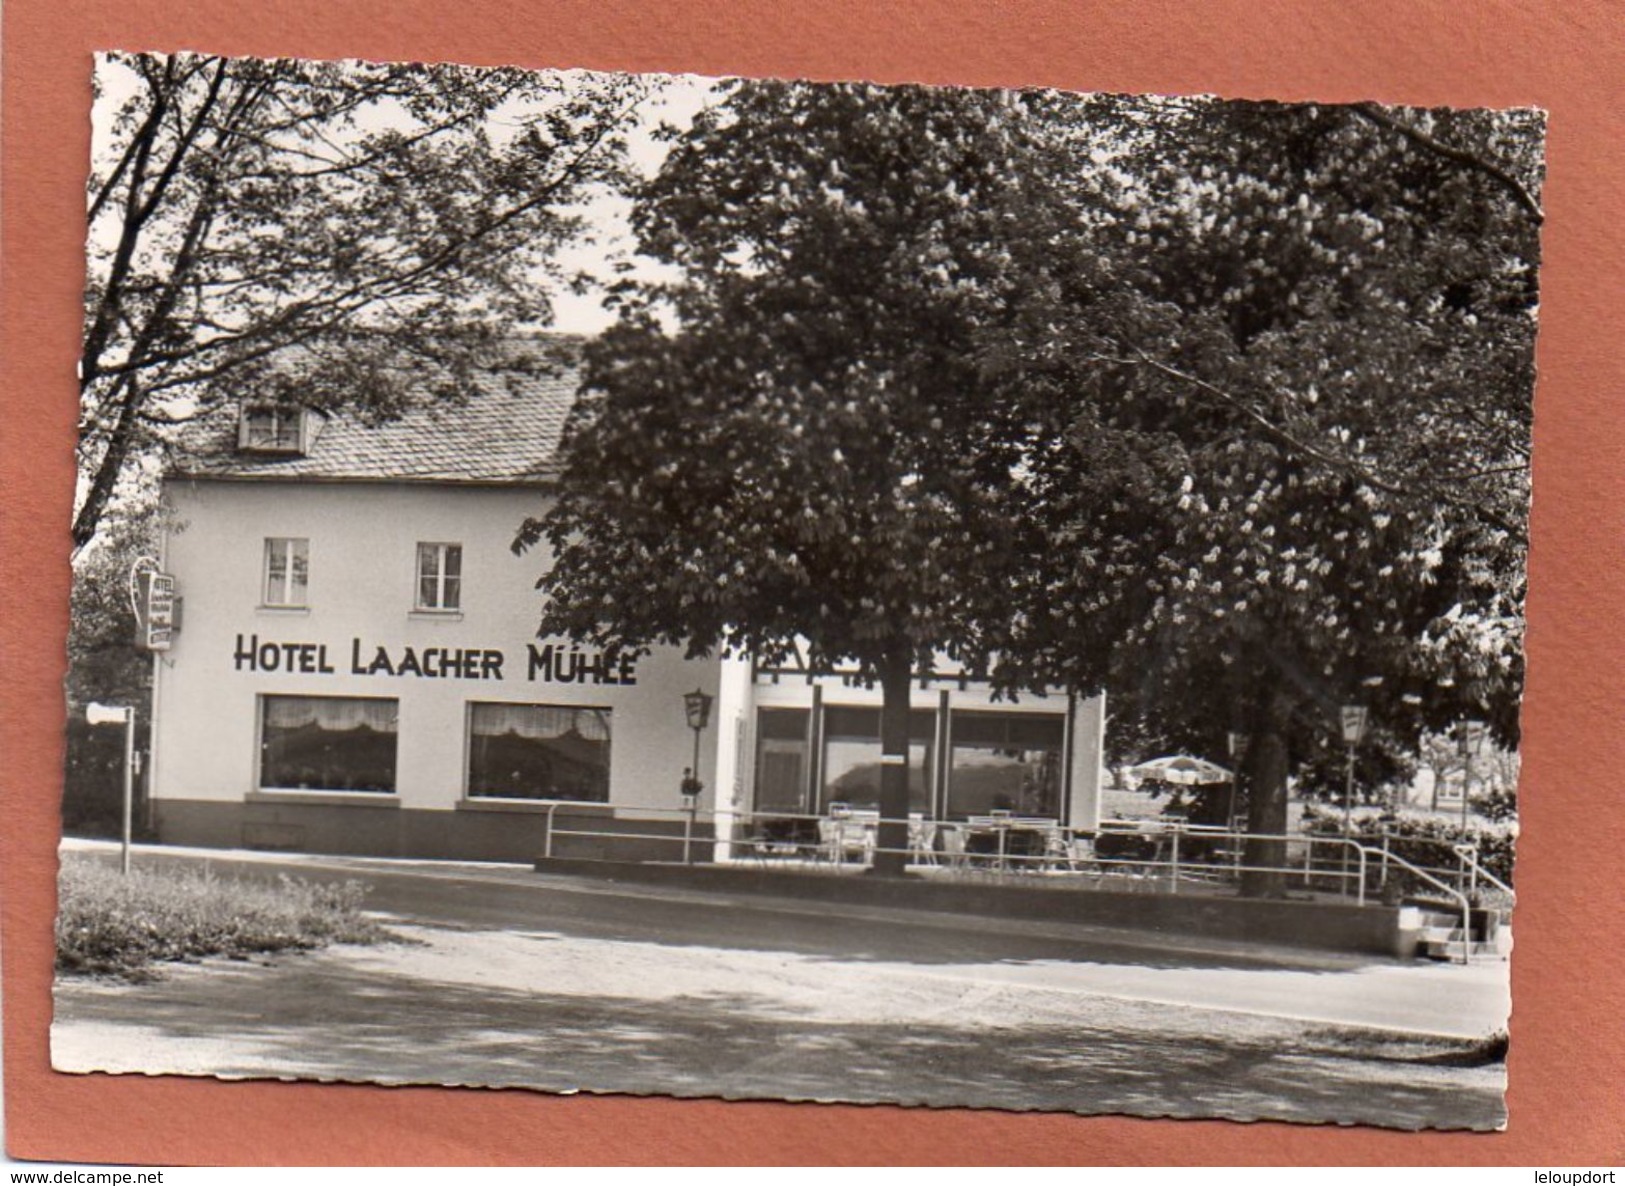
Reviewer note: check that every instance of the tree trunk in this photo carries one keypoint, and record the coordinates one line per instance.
(1267, 804)
(102, 486)
(896, 678)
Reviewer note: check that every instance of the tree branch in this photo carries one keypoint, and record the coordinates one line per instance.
(347, 302)
(1281, 435)
(1461, 156)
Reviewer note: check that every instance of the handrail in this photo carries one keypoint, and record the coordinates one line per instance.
(1466, 852)
(1494, 880)
(729, 826)
(1469, 854)
(1466, 905)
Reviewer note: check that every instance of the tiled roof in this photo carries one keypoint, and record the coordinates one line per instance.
(507, 430)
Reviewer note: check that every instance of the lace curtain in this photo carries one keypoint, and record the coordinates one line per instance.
(332, 713)
(539, 722)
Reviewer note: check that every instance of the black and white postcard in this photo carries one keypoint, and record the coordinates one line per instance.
(772, 590)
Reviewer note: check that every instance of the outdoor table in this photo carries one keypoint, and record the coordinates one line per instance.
(1034, 830)
(844, 831)
(848, 829)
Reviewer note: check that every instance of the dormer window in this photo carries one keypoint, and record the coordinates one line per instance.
(272, 428)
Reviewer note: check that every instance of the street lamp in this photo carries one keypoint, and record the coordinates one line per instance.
(1353, 730)
(120, 714)
(697, 708)
(1469, 743)
(1353, 718)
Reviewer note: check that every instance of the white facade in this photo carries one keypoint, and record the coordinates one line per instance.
(359, 636)
(392, 617)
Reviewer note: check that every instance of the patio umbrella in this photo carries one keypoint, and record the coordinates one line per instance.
(1182, 770)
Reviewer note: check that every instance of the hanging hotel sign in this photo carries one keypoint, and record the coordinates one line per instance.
(155, 606)
(551, 662)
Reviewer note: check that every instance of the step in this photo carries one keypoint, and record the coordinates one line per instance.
(1443, 943)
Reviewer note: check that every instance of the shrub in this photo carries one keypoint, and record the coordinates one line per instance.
(111, 924)
(1426, 842)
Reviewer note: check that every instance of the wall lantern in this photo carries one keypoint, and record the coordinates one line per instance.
(697, 706)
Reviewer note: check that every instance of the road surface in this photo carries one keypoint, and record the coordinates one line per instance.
(510, 978)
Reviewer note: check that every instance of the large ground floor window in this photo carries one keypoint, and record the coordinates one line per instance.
(996, 761)
(1005, 762)
(852, 758)
(538, 751)
(328, 743)
(782, 746)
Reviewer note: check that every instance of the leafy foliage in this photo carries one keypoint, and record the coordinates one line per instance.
(111, 924)
(813, 452)
(1297, 472)
(372, 216)
(1223, 407)
(1427, 842)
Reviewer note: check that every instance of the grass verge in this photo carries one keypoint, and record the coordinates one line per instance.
(1380, 1046)
(109, 924)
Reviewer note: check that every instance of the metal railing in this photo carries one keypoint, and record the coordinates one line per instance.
(687, 838)
(1164, 857)
(1171, 855)
(1465, 871)
(1461, 898)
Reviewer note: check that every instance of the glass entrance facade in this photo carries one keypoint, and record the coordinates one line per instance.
(851, 766)
(971, 762)
(783, 747)
(1005, 762)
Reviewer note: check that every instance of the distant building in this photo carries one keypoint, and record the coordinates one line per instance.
(356, 668)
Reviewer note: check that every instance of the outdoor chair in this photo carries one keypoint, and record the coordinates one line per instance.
(922, 840)
(1067, 850)
(1136, 853)
(953, 845)
(845, 836)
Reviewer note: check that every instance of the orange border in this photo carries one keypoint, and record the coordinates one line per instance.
(1568, 1054)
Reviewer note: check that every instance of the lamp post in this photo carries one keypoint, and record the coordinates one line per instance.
(1236, 745)
(1468, 744)
(697, 710)
(1353, 720)
(1353, 731)
(119, 714)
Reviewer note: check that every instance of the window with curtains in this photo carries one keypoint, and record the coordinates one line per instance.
(440, 577)
(328, 743)
(287, 572)
(538, 751)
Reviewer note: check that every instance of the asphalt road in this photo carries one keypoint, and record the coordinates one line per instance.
(515, 979)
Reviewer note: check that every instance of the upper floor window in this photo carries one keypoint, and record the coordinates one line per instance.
(268, 428)
(440, 576)
(287, 572)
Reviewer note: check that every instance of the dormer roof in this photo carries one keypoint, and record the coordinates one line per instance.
(506, 431)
